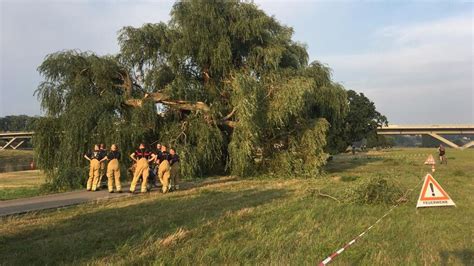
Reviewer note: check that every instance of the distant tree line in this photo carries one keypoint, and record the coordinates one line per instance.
(17, 123)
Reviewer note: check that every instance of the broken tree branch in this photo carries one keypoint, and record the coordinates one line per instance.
(163, 98)
(227, 117)
(328, 196)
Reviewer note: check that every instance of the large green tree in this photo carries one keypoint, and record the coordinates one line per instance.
(222, 82)
(363, 118)
(360, 121)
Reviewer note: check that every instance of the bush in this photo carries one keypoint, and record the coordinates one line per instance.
(378, 190)
(66, 179)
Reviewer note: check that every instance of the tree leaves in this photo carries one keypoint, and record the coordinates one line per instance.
(233, 89)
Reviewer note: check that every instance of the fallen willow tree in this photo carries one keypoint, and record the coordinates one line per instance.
(222, 82)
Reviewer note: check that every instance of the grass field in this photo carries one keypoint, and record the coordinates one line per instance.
(20, 184)
(262, 221)
(14, 182)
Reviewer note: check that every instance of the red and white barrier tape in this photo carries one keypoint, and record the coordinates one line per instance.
(350, 243)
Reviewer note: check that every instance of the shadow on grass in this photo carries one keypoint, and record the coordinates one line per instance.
(111, 231)
(466, 256)
(344, 163)
(206, 182)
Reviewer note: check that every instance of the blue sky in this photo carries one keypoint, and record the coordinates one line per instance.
(414, 59)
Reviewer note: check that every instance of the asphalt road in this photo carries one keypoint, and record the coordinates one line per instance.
(59, 200)
(52, 201)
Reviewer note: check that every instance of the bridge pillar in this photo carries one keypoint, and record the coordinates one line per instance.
(468, 145)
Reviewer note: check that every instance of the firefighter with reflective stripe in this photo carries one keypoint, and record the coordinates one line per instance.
(94, 157)
(164, 169)
(113, 169)
(102, 168)
(142, 157)
(175, 171)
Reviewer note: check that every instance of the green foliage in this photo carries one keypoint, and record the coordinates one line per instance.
(378, 190)
(247, 136)
(199, 145)
(17, 123)
(232, 55)
(64, 178)
(406, 141)
(362, 118)
(310, 147)
(353, 122)
(235, 93)
(84, 107)
(374, 140)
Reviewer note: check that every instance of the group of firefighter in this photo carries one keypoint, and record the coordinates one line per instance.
(149, 164)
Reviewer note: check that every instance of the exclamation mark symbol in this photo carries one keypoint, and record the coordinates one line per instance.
(432, 189)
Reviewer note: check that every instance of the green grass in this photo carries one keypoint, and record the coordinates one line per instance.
(8, 194)
(21, 184)
(261, 221)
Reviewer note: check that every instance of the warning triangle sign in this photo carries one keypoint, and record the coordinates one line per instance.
(433, 195)
(430, 160)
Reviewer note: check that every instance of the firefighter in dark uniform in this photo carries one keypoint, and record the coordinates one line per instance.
(113, 169)
(175, 171)
(102, 168)
(154, 167)
(164, 169)
(158, 148)
(142, 157)
(94, 157)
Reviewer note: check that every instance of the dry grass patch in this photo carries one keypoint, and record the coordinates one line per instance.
(21, 179)
(172, 239)
(240, 213)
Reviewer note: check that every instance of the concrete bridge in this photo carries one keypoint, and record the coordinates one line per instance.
(434, 131)
(14, 139)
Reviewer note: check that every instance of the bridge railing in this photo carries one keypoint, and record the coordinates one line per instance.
(14, 140)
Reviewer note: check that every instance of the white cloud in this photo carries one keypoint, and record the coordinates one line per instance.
(425, 76)
(454, 28)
